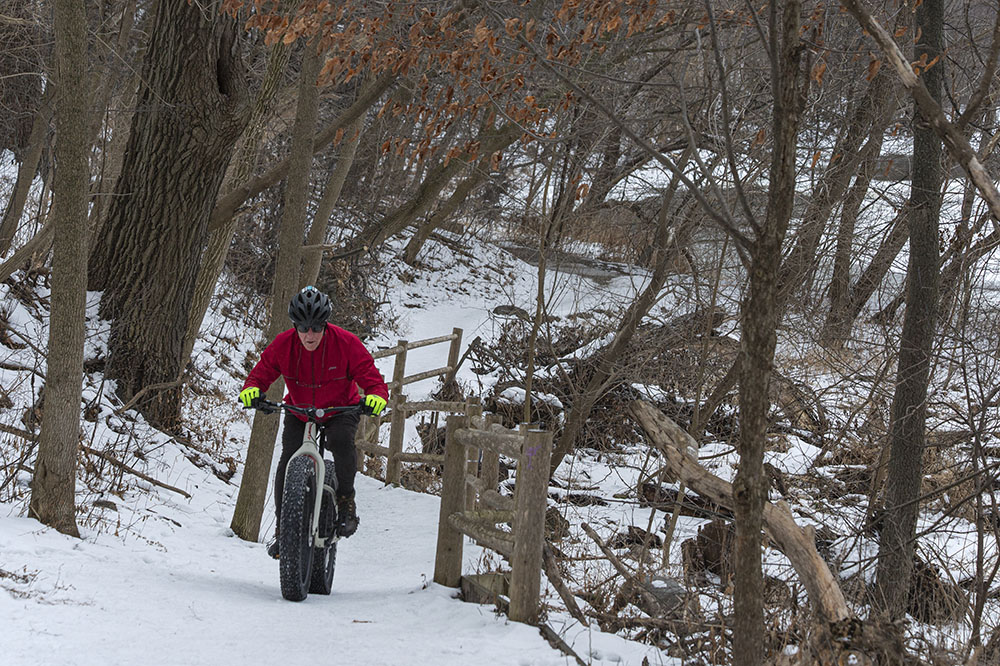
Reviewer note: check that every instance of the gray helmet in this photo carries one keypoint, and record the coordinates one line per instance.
(310, 308)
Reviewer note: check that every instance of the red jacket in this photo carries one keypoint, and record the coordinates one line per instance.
(327, 377)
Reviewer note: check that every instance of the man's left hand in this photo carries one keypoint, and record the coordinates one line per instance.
(375, 404)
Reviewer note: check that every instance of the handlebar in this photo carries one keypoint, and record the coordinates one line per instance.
(314, 414)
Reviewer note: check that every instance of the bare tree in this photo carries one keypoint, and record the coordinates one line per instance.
(760, 313)
(909, 404)
(250, 502)
(53, 489)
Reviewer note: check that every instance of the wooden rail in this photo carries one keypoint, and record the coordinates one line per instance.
(398, 409)
(471, 505)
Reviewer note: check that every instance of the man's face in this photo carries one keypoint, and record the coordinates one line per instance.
(310, 338)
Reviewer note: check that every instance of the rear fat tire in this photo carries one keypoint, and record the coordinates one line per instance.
(325, 559)
(324, 562)
(295, 543)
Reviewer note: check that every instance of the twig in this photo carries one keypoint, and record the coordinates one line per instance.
(152, 387)
(651, 602)
(130, 470)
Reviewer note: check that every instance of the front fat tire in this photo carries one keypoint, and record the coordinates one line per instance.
(295, 545)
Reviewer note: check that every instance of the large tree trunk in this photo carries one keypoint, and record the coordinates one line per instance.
(191, 110)
(250, 503)
(53, 489)
(760, 313)
(909, 404)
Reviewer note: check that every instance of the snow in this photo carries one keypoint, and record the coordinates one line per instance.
(159, 578)
(191, 593)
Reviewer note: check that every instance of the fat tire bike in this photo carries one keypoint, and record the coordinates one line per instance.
(307, 526)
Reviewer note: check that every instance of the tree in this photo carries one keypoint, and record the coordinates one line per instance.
(192, 105)
(250, 502)
(53, 488)
(909, 404)
(759, 314)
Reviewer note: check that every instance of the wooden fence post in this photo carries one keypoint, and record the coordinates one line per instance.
(489, 471)
(472, 408)
(530, 503)
(396, 424)
(453, 352)
(448, 558)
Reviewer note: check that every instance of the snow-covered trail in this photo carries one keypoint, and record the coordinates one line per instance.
(194, 595)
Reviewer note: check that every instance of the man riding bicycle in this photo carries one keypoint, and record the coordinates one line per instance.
(323, 365)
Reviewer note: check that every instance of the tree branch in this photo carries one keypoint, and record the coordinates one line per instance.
(956, 143)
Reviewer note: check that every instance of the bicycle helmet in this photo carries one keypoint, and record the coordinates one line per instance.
(309, 308)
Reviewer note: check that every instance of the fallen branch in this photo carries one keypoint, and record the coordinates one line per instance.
(651, 603)
(681, 628)
(797, 543)
(556, 641)
(31, 437)
(40, 242)
(23, 434)
(551, 568)
(20, 368)
(117, 463)
(147, 389)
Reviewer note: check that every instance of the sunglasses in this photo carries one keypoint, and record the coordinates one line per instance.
(316, 328)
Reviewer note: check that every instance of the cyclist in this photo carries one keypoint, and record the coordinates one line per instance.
(323, 366)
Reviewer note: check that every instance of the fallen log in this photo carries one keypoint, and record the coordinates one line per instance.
(797, 543)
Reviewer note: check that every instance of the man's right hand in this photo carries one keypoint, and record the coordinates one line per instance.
(250, 396)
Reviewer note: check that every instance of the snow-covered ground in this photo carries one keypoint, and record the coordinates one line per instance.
(186, 592)
(159, 578)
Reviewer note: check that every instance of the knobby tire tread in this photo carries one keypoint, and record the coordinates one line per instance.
(295, 546)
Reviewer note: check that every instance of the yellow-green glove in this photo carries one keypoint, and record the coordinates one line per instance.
(250, 396)
(375, 404)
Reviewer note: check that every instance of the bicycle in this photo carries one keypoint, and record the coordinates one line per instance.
(307, 526)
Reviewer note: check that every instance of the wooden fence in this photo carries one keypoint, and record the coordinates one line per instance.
(367, 440)
(471, 505)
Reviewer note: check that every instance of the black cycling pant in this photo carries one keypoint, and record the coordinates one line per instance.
(339, 440)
